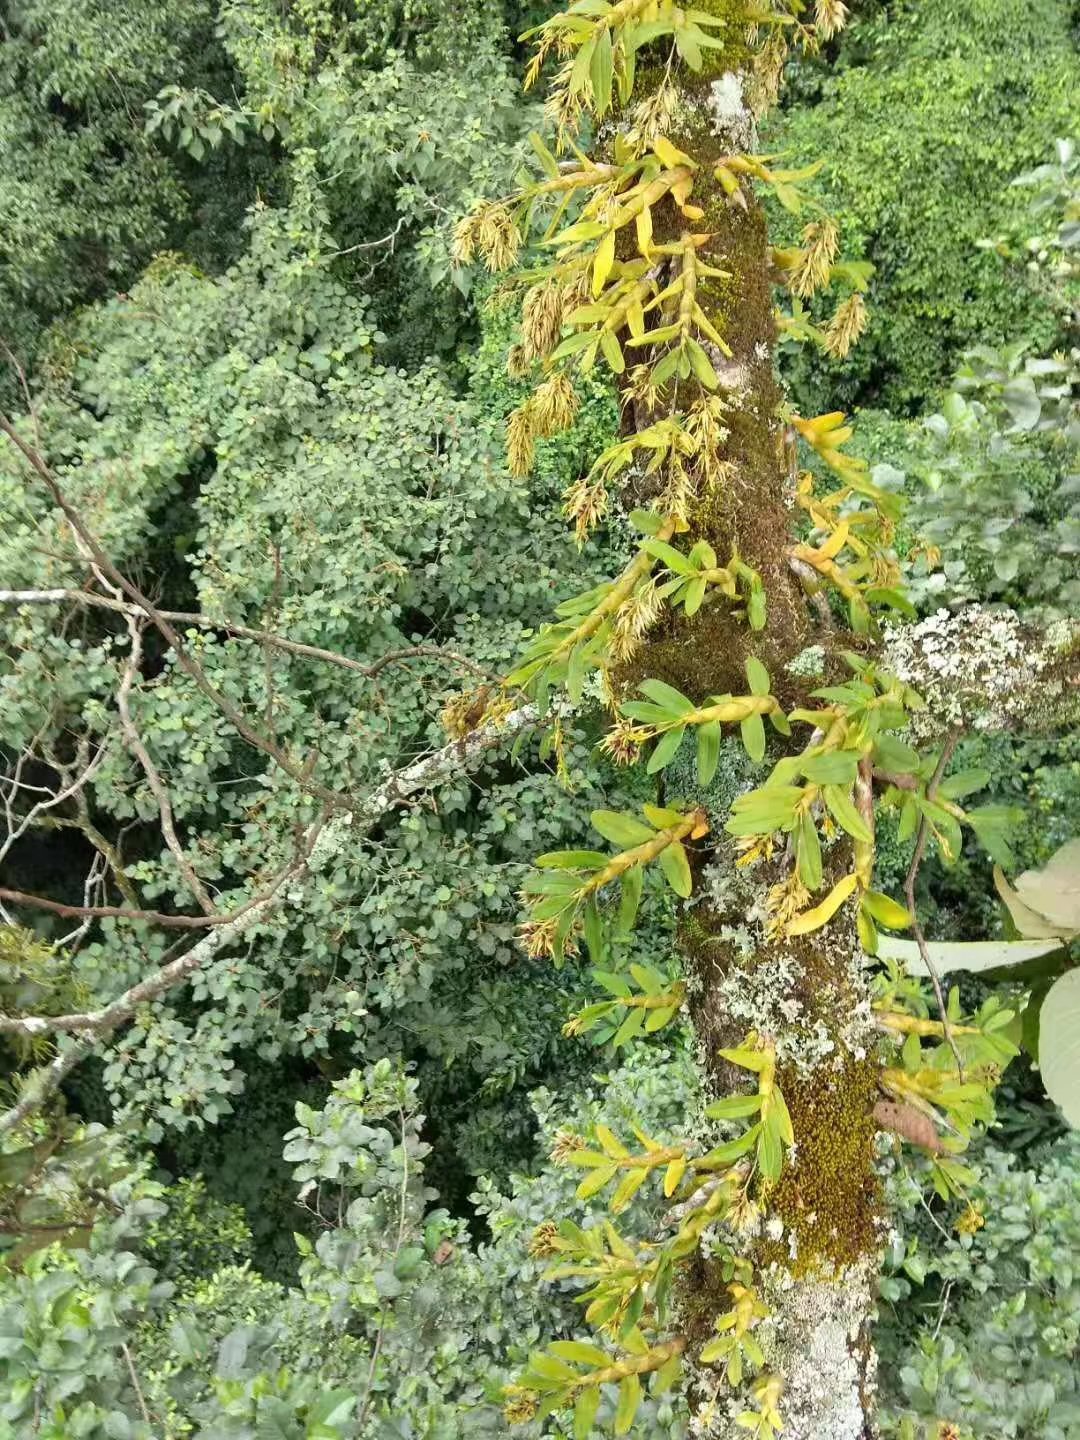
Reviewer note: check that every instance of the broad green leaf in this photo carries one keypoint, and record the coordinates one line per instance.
(753, 737)
(572, 860)
(665, 749)
(1059, 1045)
(631, 886)
(764, 810)
(676, 868)
(629, 1400)
(663, 817)
(758, 677)
(601, 72)
(709, 737)
(674, 559)
(595, 1181)
(666, 695)
(843, 811)
(895, 756)
(622, 830)
(585, 1408)
(809, 852)
(734, 1107)
(964, 782)
(838, 767)
(594, 931)
(580, 1353)
(632, 1026)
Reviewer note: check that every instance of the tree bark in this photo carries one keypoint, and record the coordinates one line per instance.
(816, 1247)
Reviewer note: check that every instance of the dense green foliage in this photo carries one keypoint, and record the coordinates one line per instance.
(926, 116)
(282, 408)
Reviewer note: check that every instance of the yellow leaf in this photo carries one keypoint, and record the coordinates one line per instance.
(604, 262)
(821, 914)
(835, 543)
(671, 155)
(613, 1147)
(675, 1171)
(644, 227)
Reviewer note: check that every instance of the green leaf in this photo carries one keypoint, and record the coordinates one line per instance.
(571, 860)
(838, 767)
(1059, 1045)
(585, 1408)
(843, 811)
(758, 677)
(895, 756)
(631, 886)
(674, 559)
(594, 931)
(629, 1400)
(665, 749)
(647, 521)
(755, 606)
(769, 808)
(675, 703)
(753, 738)
(701, 365)
(770, 1152)
(695, 595)
(580, 1353)
(622, 830)
(734, 1107)
(809, 852)
(601, 72)
(676, 868)
(595, 1181)
(964, 782)
(709, 737)
(662, 817)
(547, 160)
(632, 1026)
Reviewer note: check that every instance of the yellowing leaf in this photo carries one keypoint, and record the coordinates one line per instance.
(671, 155)
(886, 911)
(674, 1173)
(811, 920)
(604, 262)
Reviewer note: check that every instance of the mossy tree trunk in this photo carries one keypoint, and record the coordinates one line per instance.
(817, 1250)
(728, 614)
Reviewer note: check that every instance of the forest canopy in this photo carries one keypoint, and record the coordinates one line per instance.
(539, 681)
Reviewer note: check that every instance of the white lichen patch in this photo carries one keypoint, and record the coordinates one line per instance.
(731, 117)
(815, 1337)
(983, 669)
(817, 1341)
(763, 989)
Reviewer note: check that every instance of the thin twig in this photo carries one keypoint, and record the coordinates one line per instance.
(246, 632)
(135, 1383)
(158, 787)
(909, 892)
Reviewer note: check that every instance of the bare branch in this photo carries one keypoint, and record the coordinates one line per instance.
(246, 632)
(157, 786)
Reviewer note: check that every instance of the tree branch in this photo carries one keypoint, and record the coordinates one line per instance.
(187, 662)
(245, 632)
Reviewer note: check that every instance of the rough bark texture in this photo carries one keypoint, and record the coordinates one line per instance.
(816, 1244)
